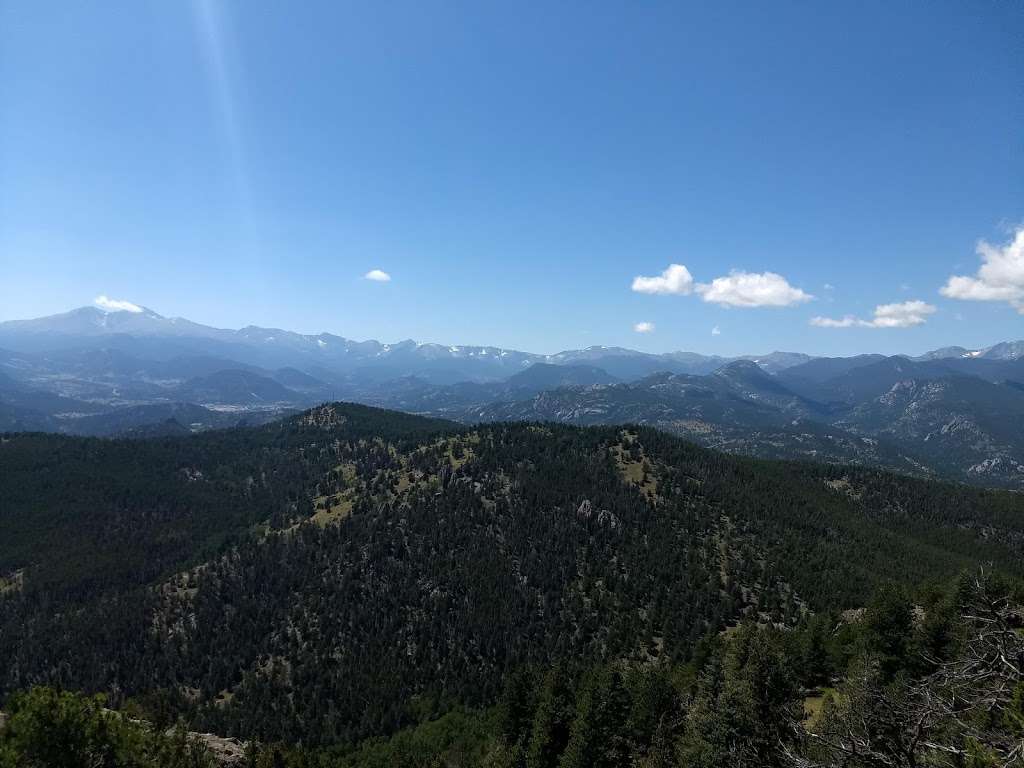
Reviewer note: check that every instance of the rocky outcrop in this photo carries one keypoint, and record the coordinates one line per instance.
(225, 750)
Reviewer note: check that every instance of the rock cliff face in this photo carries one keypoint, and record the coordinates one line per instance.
(226, 751)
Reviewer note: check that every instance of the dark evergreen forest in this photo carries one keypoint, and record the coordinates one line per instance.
(528, 593)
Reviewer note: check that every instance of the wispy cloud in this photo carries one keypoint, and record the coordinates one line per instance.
(999, 278)
(837, 322)
(377, 276)
(644, 327)
(115, 305)
(737, 289)
(716, 331)
(902, 315)
(214, 40)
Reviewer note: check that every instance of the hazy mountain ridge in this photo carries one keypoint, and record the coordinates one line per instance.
(104, 373)
(920, 418)
(89, 360)
(136, 332)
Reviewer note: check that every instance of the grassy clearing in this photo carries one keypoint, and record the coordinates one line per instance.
(347, 472)
(636, 471)
(459, 449)
(12, 582)
(335, 507)
(814, 706)
(331, 510)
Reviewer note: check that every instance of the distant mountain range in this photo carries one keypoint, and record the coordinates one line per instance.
(952, 412)
(150, 336)
(932, 419)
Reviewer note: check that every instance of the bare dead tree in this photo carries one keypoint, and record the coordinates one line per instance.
(935, 720)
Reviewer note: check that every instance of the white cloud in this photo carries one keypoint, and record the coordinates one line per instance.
(999, 278)
(829, 287)
(716, 331)
(378, 276)
(752, 289)
(902, 315)
(115, 305)
(644, 327)
(737, 289)
(676, 279)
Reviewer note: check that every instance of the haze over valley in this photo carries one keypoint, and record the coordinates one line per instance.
(953, 412)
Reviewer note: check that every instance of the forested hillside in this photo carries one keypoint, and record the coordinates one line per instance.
(350, 572)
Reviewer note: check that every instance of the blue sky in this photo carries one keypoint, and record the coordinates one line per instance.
(514, 167)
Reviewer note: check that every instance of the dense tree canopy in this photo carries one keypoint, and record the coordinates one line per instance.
(353, 573)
